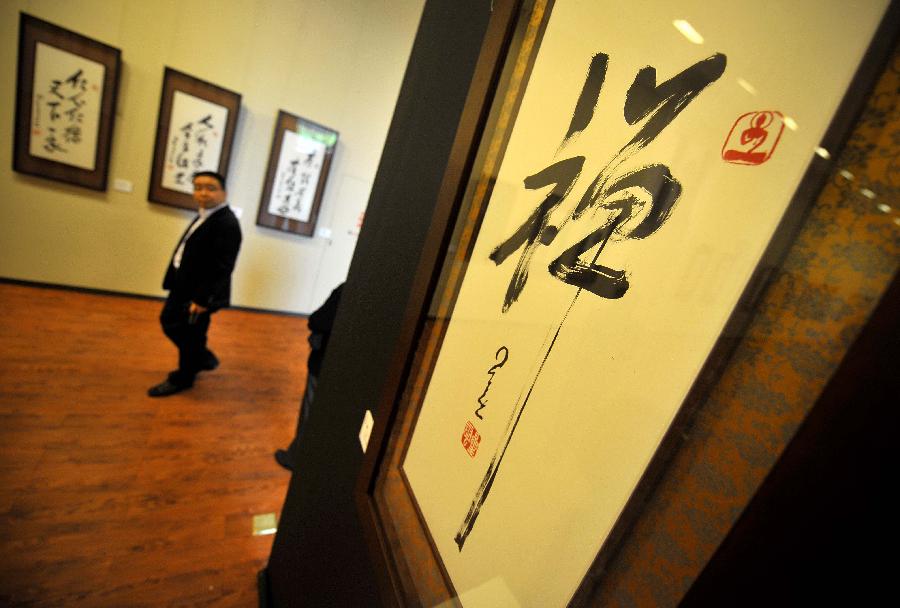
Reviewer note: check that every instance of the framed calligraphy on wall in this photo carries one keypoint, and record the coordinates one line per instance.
(194, 132)
(299, 162)
(633, 190)
(65, 104)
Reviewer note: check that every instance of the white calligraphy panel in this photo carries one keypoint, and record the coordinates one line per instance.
(194, 140)
(65, 102)
(642, 182)
(297, 176)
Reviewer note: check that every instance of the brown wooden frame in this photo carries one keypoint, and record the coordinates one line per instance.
(31, 31)
(391, 430)
(290, 122)
(506, 33)
(174, 80)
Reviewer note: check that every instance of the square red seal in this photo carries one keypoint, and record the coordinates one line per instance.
(753, 138)
(471, 439)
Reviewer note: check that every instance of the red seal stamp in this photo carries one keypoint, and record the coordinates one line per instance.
(471, 439)
(753, 138)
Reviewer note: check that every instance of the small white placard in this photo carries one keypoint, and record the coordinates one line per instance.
(122, 185)
(366, 430)
(238, 211)
(325, 233)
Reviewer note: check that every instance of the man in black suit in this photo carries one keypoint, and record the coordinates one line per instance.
(199, 282)
(320, 323)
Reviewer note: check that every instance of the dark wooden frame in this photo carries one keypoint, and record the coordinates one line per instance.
(505, 33)
(290, 122)
(31, 31)
(174, 80)
(487, 85)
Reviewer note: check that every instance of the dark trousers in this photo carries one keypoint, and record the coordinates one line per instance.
(305, 407)
(189, 335)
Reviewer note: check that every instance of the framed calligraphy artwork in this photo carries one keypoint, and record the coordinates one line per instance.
(65, 104)
(299, 162)
(194, 132)
(632, 189)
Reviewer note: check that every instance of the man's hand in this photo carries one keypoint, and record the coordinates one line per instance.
(194, 311)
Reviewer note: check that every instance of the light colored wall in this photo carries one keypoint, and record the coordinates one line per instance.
(336, 62)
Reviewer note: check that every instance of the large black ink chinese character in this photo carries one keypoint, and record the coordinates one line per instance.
(72, 134)
(50, 142)
(54, 88)
(76, 81)
(54, 110)
(74, 113)
(659, 105)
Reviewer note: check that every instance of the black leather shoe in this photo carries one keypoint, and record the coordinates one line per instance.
(166, 388)
(211, 363)
(284, 459)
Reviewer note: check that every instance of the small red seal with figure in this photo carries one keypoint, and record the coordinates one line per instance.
(753, 138)
(471, 439)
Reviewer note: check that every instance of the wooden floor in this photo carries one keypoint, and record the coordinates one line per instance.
(110, 498)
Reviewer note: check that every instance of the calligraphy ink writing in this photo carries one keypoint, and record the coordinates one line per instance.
(659, 105)
(64, 110)
(482, 403)
(186, 153)
(296, 184)
(624, 195)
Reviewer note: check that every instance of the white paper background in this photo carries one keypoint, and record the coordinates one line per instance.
(295, 147)
(189, 109)
(51, 64)
(620, 368)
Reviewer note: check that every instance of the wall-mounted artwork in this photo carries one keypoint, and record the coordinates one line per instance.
(299, 162)
(65, 104)
(632, 187)
(194, 132)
